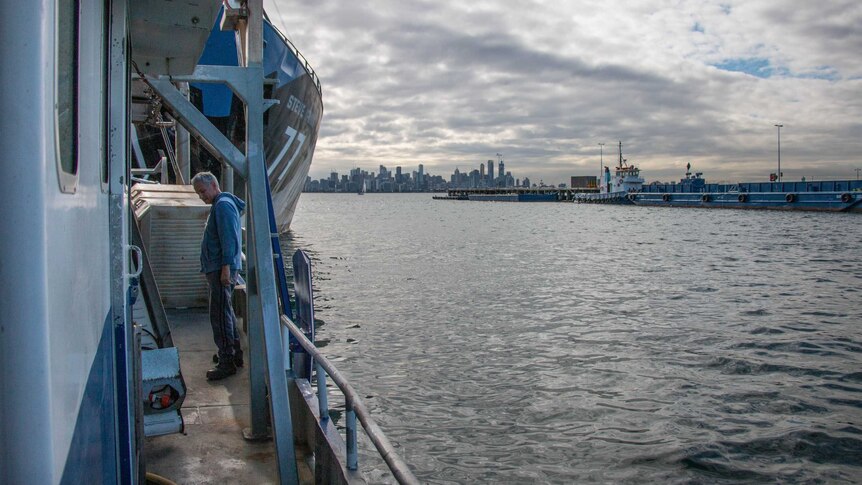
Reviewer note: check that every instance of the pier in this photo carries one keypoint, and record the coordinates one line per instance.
(518, 194)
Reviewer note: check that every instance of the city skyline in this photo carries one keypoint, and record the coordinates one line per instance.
(384, 180)
(446, 83)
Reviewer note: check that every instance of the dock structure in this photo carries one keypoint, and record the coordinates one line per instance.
(518, 194)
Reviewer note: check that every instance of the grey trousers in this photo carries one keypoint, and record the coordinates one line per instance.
(222, 317)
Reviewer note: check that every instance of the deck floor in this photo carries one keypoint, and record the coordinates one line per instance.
(212, 450)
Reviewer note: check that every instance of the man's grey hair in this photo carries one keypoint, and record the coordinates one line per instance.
(204, 178)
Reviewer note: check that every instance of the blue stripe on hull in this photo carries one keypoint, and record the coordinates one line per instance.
(537, 197)
(92, 454)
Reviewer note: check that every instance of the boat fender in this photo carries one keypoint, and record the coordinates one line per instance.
(790, 198)
(741, 198)
(633, 196)
(846, 198)
(704, 198)
(665, 197)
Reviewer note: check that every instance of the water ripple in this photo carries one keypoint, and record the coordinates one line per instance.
(558, 343)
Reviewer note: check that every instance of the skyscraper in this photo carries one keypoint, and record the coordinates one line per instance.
(491, 170)
(502, 171)
(482, 171)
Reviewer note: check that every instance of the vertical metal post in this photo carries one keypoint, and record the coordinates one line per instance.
(257, 356)
(779, 151)
(601, 164)
(163, 164)
(285, 346)
(322, 398)
(264, 323)
(183, 142)
(128, 439)
(352, 453)
(227, 177)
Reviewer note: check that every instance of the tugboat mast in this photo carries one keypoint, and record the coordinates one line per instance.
(621, 155)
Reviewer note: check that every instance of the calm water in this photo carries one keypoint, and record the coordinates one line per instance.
(563, 343)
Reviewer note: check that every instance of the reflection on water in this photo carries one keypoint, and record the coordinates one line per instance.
(561, 343)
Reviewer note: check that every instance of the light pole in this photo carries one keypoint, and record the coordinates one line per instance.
(601, 157)
(779, 151)
(857, 172)
(601, 165)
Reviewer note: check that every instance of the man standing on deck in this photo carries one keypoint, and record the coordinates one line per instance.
(220, 261)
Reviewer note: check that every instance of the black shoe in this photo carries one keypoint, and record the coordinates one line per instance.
(220, 372)
(237, 359)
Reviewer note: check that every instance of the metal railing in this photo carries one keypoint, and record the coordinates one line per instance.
(355, 409)
(298, 55)
(160, 169)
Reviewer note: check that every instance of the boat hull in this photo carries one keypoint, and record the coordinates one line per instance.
(825, 196)
(804, 201)
(615, 198)
(513, 197)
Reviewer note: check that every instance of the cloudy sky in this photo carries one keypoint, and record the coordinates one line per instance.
(452, 83)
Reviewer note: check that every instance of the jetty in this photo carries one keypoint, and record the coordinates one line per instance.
(517, 194)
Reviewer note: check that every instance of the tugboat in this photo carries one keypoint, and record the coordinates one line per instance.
(615, 189)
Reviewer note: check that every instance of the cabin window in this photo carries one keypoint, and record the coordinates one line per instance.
(66, 93)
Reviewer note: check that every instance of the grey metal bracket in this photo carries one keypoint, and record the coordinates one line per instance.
(193, 120)
(236, 78)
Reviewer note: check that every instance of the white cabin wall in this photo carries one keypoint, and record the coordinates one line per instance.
(26, 455)
(77, 247)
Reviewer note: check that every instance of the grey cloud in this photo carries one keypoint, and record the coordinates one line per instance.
(451, 85)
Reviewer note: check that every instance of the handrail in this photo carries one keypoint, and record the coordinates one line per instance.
(298, 55)
(396, 465)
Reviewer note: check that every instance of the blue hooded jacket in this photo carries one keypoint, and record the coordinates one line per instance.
(222, 241)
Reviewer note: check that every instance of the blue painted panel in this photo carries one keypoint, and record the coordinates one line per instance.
(278, 62)
(92, 454)
(303, 292)
(220, 50)
(304, 295)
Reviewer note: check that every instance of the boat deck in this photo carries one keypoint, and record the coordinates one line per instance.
(212, 450)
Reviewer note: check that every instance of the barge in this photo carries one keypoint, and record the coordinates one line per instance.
(627, 187)
(514, 194)
(693, 191)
